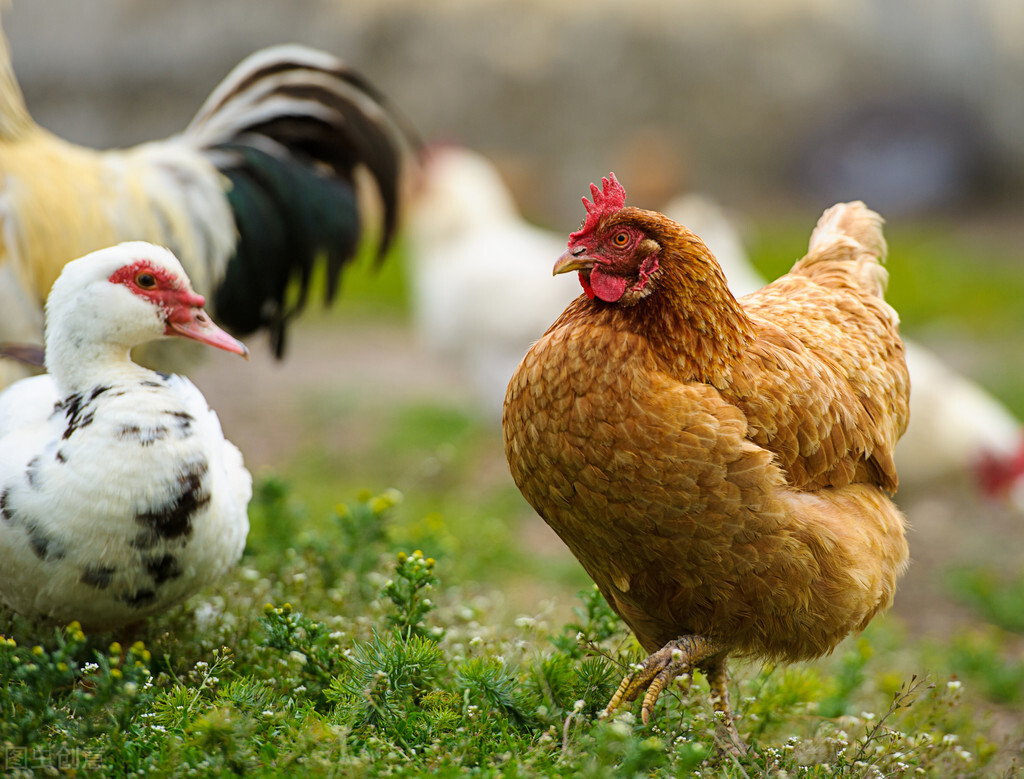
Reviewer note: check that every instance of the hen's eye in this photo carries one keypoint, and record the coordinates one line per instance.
(620, 239)
(146, 281)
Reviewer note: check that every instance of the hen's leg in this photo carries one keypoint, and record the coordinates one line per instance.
(717, 674)
(676, 658)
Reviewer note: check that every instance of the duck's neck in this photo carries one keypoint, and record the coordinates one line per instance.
(79, 365)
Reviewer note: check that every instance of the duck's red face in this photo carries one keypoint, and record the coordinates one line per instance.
(183, 308)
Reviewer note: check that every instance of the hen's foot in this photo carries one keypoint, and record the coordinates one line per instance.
(677, 659)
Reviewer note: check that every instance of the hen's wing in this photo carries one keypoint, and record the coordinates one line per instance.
(825, 384)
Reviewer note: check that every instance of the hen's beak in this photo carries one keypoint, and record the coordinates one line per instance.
(194, 323)
(574, 258)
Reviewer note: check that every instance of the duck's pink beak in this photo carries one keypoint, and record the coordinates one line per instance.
(190, 321)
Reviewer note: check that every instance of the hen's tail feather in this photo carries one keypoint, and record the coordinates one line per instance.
(848, 232)
(288, 127)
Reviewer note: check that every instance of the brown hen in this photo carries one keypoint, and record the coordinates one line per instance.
(720, 467)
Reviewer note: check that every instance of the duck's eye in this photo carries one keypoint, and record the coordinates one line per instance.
(621, 239)
(146, 281)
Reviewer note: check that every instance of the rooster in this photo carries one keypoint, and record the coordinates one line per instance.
(721, 469)
(259, 186)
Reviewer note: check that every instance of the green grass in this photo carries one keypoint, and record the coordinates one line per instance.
(413, 628)
(339, 656)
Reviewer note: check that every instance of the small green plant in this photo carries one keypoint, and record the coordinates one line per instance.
(363, 531)
(408, 590)
(56, 702)
(494, 689)
(312, 652)
(597, 623)
(350, 545)
(383, 684)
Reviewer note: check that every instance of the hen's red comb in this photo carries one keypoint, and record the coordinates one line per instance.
(608, 201)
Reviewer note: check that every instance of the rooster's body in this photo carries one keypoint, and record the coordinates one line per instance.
(720, 469)
(258, 187)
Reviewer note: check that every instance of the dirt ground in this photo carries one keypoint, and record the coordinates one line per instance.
(263, 404)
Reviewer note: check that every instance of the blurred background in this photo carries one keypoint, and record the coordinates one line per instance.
(775, 109)
(911, 106)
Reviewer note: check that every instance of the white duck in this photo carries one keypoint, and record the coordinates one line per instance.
(119, 495)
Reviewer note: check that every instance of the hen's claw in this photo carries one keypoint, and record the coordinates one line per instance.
(647, 676)
(677, 659)
(677, 666)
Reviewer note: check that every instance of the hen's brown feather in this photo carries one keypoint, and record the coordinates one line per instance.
(720, 467)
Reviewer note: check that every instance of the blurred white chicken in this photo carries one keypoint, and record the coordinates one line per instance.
(955, 425)
(482, 290)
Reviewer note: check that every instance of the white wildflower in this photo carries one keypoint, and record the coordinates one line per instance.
(621, 728)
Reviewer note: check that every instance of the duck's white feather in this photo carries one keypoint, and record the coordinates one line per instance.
(117, 500)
